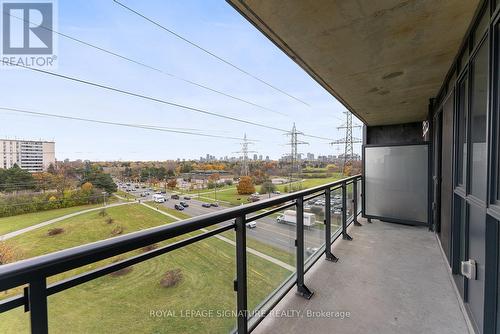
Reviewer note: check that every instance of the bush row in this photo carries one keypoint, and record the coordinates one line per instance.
(20, 204)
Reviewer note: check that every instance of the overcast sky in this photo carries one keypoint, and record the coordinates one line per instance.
(214, 25)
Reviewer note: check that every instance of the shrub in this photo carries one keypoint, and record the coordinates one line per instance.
(110, 220)
(117, 230)
(8, 253)
(171, 278)
(55, 231)
(103, 213)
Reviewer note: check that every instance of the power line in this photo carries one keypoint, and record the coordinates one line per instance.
(147, 127)
(153, 99)
(209, 52)
(115, 54)
(145, 97)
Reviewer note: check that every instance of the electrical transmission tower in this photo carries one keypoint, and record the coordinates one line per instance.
(294, 157)
(244, 155)
(348, 141)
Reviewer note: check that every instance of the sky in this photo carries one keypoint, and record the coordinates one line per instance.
(213, 24)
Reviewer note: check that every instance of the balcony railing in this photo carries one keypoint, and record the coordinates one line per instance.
(339, 202)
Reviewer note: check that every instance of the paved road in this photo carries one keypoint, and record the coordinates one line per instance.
(267, 231)
(229, 241)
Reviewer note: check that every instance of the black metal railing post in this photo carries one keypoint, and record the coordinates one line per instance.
(355, 202)
(299, 243)
(328, 227)
(37, 297)
(241, 274)
(345, 235)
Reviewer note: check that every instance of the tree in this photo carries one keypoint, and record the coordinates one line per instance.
(267, 187)
(100, 180)
(51, 169)
(87, 186)
(15, 178)
(171, 184)
(43, 181)
(245, 186)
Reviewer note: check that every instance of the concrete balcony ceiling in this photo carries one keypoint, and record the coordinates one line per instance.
(383, 59)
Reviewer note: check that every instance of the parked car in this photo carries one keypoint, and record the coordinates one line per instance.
(174, 197)
(163, 192)
(206, 205)
(276, 192)
(253, 199)
(251, 225)
(184, 204)
(143, 195)
(187, 198)
(179, 207)
(215, 205)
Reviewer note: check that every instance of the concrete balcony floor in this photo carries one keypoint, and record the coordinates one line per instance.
(391, 278)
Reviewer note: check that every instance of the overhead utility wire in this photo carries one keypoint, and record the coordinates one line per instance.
(198, 110)
(150, 67)
(209, 52)
(147, 127)
(158, 100)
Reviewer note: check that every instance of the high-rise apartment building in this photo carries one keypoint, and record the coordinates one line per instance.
(34, 156)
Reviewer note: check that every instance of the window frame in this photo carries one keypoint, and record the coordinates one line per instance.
(484, 42)
(494, 172)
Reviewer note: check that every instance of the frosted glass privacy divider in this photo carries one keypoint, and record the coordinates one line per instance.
(396, 182)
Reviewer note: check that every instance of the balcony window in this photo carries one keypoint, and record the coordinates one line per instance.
(462, 131)
(479, 105)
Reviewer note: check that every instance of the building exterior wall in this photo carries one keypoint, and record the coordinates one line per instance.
(466, 170)
(33, 156)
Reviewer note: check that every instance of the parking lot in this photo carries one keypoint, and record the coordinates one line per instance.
(266, 230)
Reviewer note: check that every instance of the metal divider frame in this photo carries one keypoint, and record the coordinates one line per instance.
(429, 186)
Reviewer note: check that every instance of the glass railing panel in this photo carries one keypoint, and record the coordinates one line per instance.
(336, 210)
(271, 257)
(186, 290)
(349, 202)
(359, 198)
(314, 226)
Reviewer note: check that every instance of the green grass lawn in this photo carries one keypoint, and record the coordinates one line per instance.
(117, 304)
(308, 183)
(251, 243)
(196, 191)
(14, 223)
(231, 196)
(125, 194)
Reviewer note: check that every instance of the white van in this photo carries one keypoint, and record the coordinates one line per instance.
(159, 198)
(290, 216)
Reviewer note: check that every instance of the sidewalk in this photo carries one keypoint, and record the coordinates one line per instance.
(55, 220)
